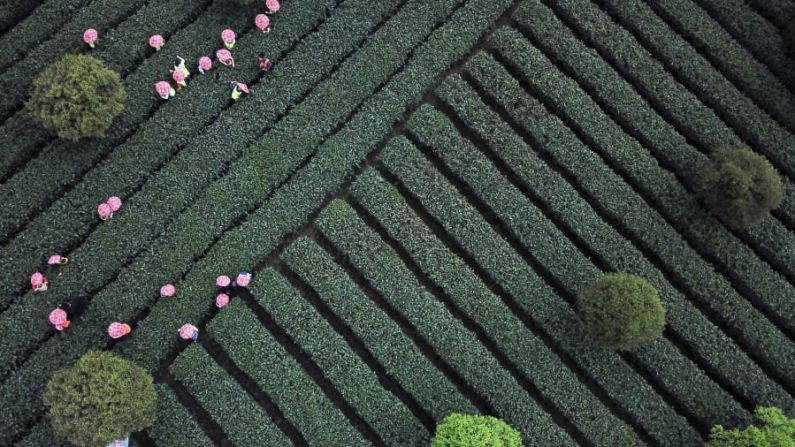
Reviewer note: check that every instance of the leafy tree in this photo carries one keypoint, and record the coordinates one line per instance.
(740, 187)
(77, 97)
(466, 430)
(775, 430)
(100, 398)
(621, 311)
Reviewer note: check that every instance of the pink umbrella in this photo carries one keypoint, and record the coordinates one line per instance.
(163, 88)
(263, 22)
(90, 37)
(115, 203)
(37, 279)
(243, 279)
(57, 260)
(178, 75)
(224, 56)
(187, 331)
(221, 300)
(58, 317)
(272, 5)
(223, 281)
(168, 290)
(118, 330)
(228, 36)
(242, 87)
(205, 63)
(156, 41)
(105, 211)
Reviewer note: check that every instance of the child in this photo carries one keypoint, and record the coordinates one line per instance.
(265, 64)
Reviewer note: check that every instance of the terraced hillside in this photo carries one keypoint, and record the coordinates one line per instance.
(420, 189)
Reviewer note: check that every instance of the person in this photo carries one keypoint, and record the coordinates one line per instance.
(117, 330)
(168, 290)
(179, 64)
(273, 6)
(105, 211)
(265, 63)
(38, 282)
(243, 279)
(263, 23)
(62, 316)
(228, 37)
(221, 300)
(120, 442)
(189, 332)
(205, 63)
(179, 79)
(237, 89)
(165, 90)
(57, 260)
(224, 56)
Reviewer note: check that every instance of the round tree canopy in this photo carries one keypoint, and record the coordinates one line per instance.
(774, 430)
(77, 97)
(740, 187)
(99, 399)
(466, 430)
(621, 311)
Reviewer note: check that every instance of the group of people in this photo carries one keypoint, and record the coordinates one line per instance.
(62, 316)
(180, 73)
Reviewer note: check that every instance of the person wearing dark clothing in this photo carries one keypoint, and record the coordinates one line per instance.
(75, 307)
(265, 64)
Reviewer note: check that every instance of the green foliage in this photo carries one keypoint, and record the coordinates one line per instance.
(788, 36)
(740, 187)
(303, 194)
(466, 430)
(684, 255)
(621, 311)
(100, 398)
(776, 430)
(77, 97)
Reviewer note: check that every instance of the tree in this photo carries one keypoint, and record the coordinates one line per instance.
(466, 430)
(776, 430)
(621, 311)
(100, 398)
(77, 97)
(740, 187)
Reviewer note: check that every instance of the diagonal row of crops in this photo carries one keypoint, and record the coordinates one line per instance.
(407, 79)
(421, 189)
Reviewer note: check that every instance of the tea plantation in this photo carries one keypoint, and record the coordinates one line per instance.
(421, 190)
